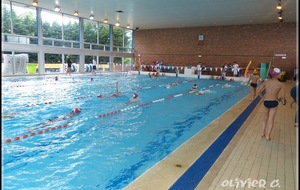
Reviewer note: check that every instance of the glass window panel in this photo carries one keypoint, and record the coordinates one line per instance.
(71, 28)
(6, 21)
(58, 43)
(53, 63)
(88, 59)
(117, 36)
(51, 24)
(24, 19)
(76, 45)
(90, 31)
(103, 60)
(47, 42)
(128, 38)
(104, 34)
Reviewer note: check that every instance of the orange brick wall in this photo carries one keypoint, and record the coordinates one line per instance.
(222, 44)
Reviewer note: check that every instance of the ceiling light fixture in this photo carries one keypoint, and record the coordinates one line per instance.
(76, 13)
(105, 20)
(280, 15)
(128, 26)
(57, 9)
(35, 2)
(117, 24)
(279, 5)
(92, 17)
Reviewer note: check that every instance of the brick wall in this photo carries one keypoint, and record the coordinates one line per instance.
(222, 44)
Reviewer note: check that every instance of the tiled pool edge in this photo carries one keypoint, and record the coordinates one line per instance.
(195, 173)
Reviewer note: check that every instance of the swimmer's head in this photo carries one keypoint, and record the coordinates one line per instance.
(255, 72)
(275, 72)
(76, 110)
(135, 95)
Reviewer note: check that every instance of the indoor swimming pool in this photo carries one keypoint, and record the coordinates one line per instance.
(110, 142)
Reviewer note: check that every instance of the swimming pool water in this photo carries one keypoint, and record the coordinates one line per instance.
(109, 144)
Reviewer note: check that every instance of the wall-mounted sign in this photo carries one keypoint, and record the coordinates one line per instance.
(201, 39)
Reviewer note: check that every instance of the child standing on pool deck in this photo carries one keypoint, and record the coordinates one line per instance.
(274, 94)
(253, 85)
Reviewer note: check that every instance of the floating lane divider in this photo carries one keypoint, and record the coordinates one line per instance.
(43, 84)
(33, 133)
(39, 132)
(49, 102)
(161, 85)
(151, 102)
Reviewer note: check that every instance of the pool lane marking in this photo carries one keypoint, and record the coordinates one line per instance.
(195, 173)
(153, 101)
(34, 133)
(161, 85)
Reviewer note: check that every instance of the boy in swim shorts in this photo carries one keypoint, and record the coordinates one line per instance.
(274, 93)
(253, 85)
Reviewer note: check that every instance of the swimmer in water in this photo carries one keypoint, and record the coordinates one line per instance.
(8, 116)
(227, 86)
(73, 113)
(135, 98)
(117, 90)
(194, 88)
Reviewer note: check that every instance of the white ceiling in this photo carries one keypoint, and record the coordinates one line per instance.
(155, 14)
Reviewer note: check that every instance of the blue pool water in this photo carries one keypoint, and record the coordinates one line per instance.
(110, 143)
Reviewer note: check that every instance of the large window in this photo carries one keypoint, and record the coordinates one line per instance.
(96, 35)
(71, 28)
(90, 31)
(6, 21)
(20, 26)
(104, 34)
(51, 24)
(118, 36)
(24, 20)
(127, 38)
(122, 40)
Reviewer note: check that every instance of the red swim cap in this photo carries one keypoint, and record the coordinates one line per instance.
(76, 110)
(135, 95)
(275, 72)
(99, 96)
